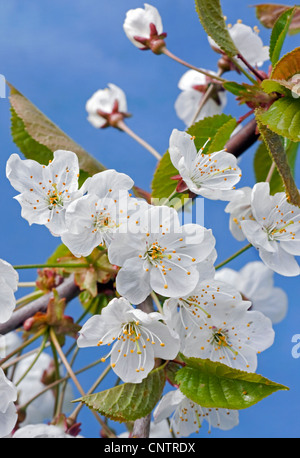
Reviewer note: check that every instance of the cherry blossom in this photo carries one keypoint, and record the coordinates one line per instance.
(104, 208)
(215, 323)
(137, 338)
(162, 255)
(239, 209)
(256, 283)
(248, 43)
(41, 431)
(144, 28)
(193, 85)
(8, 412)
(275, 230)
(8, 286)
(106, 107)
(187, 416)
(211, 175)
(45, 191)
(42, 407)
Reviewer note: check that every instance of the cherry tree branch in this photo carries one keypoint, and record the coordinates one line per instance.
(243, 139)
(68, 290)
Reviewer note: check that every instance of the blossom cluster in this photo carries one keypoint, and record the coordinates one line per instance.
(220, 315)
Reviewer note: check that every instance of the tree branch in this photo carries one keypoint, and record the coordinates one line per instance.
(68, 290)
(243, 139)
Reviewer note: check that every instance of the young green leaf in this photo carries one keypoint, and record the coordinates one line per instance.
(275, 146)
(263, 162)
(212, 20)
(129, 401)
(279, 33)
(283, 118)
(43, 135)
(215, 385)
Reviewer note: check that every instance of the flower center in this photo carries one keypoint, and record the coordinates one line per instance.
(103, 222)
(54, 198)
(220, 338)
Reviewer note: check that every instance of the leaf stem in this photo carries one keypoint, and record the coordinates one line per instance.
(41, 349)
(74, 379)
(251, 68)
(186, 64)
(157, 302)
(242, 70)
(53, 266)
(205, 98)
(122, 126)
(235, 255)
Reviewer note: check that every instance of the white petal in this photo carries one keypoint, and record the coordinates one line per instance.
(181, 145)
(137, 23)
(19, 172)
(8, 420)
(133, 282)
(107, 183)
(9, 274)
(281, 262)
(93, 331)
(257, 236)
(167, 405)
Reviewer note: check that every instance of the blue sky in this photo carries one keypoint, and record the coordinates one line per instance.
(58, 54)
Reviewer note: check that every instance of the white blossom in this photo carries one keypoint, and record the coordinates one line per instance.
(248, 43)
(144, 27)
(187, 416)
(215, 323)
(137, 338)
(275, 230)
(42, 407)
(239, 209)
(8, 286)
(256, 283)
(193, 86)
(107, 106)
(45, 191)
(41, 431)
(162, 255)
(8, 412)
(8, 343)
(210, 175)
(103, 210)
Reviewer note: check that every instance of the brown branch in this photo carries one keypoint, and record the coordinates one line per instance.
(243, 139)
(68, 290)
(141, 427)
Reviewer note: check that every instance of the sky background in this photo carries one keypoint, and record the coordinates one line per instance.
(58, 53)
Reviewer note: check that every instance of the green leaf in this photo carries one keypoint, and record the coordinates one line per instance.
(60, 252)
(162, 184)
(268, 14)
(279, 86)
(215, 385)
(38, 137)
(129, 401)
(283, 118)
(218, 128)
(263, 162)
(212, 20)
(279, 33)
(275, 146)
